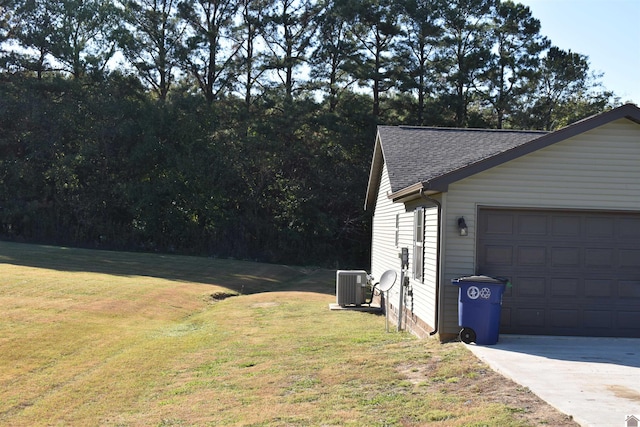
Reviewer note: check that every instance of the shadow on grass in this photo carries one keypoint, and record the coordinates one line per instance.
(240, 276)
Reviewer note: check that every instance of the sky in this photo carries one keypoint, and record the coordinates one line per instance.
(606, 31)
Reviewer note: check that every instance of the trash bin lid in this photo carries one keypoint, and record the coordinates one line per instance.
(482, 279)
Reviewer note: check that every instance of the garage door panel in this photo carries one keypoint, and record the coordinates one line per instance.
(564, 318)
(530, 287)
(629, 289)
(629, 258)
(530, 317)
(629, 319)
(598, 288)
(565, 257)
(499, 255)
(499, 224)
(573, 272)
(564, 226)
(532, 255)
(628, 229)
(598, 227)
(564, 287)
(533, 225)
(505, 318)
(598, 319)
(598, 257)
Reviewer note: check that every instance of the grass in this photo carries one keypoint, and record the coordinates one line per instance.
(122, 339)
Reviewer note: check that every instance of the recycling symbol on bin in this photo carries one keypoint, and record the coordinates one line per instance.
(473, 292)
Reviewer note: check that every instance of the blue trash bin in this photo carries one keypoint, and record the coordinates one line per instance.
(479, 308)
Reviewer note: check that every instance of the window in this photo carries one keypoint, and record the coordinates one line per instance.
(418, 244)
(397, 229)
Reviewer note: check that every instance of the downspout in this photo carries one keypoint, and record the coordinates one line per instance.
(438, 233)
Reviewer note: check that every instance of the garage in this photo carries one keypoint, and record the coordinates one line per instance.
(572, 272)
(558, 213)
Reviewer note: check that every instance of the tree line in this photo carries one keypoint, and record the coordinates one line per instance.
(244, 128)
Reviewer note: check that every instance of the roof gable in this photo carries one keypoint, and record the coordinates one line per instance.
(420, 158)
(423, 154)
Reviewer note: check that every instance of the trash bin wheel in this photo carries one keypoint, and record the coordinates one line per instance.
(467, 335)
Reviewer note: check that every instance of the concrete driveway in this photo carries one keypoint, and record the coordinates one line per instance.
(595, 380)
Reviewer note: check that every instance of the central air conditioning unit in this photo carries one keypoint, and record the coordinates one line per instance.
(350, 287)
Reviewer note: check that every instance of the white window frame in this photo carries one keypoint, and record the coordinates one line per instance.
(397, 230)
(418, 244)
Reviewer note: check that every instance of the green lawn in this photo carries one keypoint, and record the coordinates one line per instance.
(123, 339)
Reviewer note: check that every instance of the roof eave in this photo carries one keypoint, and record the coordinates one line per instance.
(627, 111)
(412, 192)
(375, 172)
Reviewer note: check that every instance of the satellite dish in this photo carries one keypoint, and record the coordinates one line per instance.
(387, 280)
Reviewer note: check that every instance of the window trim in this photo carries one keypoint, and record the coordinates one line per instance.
(397, 230)
(418, 244)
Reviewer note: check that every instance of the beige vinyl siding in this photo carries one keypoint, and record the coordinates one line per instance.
(424, 301)
(385, 253)
(599, 169)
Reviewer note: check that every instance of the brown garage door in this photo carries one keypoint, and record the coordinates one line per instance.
(572, 272)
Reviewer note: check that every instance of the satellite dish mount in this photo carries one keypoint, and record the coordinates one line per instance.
(387, 281)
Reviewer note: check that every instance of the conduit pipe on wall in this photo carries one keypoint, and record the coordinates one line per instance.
(401, 299)
(438, 234)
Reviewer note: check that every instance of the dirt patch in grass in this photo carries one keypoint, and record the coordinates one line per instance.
(265, 304)
(219, 296)
(478, 382)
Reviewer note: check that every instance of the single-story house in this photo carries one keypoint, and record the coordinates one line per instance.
(558, 214)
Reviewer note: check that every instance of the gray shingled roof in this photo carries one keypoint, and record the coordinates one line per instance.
(422, 158)
(420, 154)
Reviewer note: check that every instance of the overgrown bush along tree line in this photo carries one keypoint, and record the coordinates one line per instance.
(244, 128)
